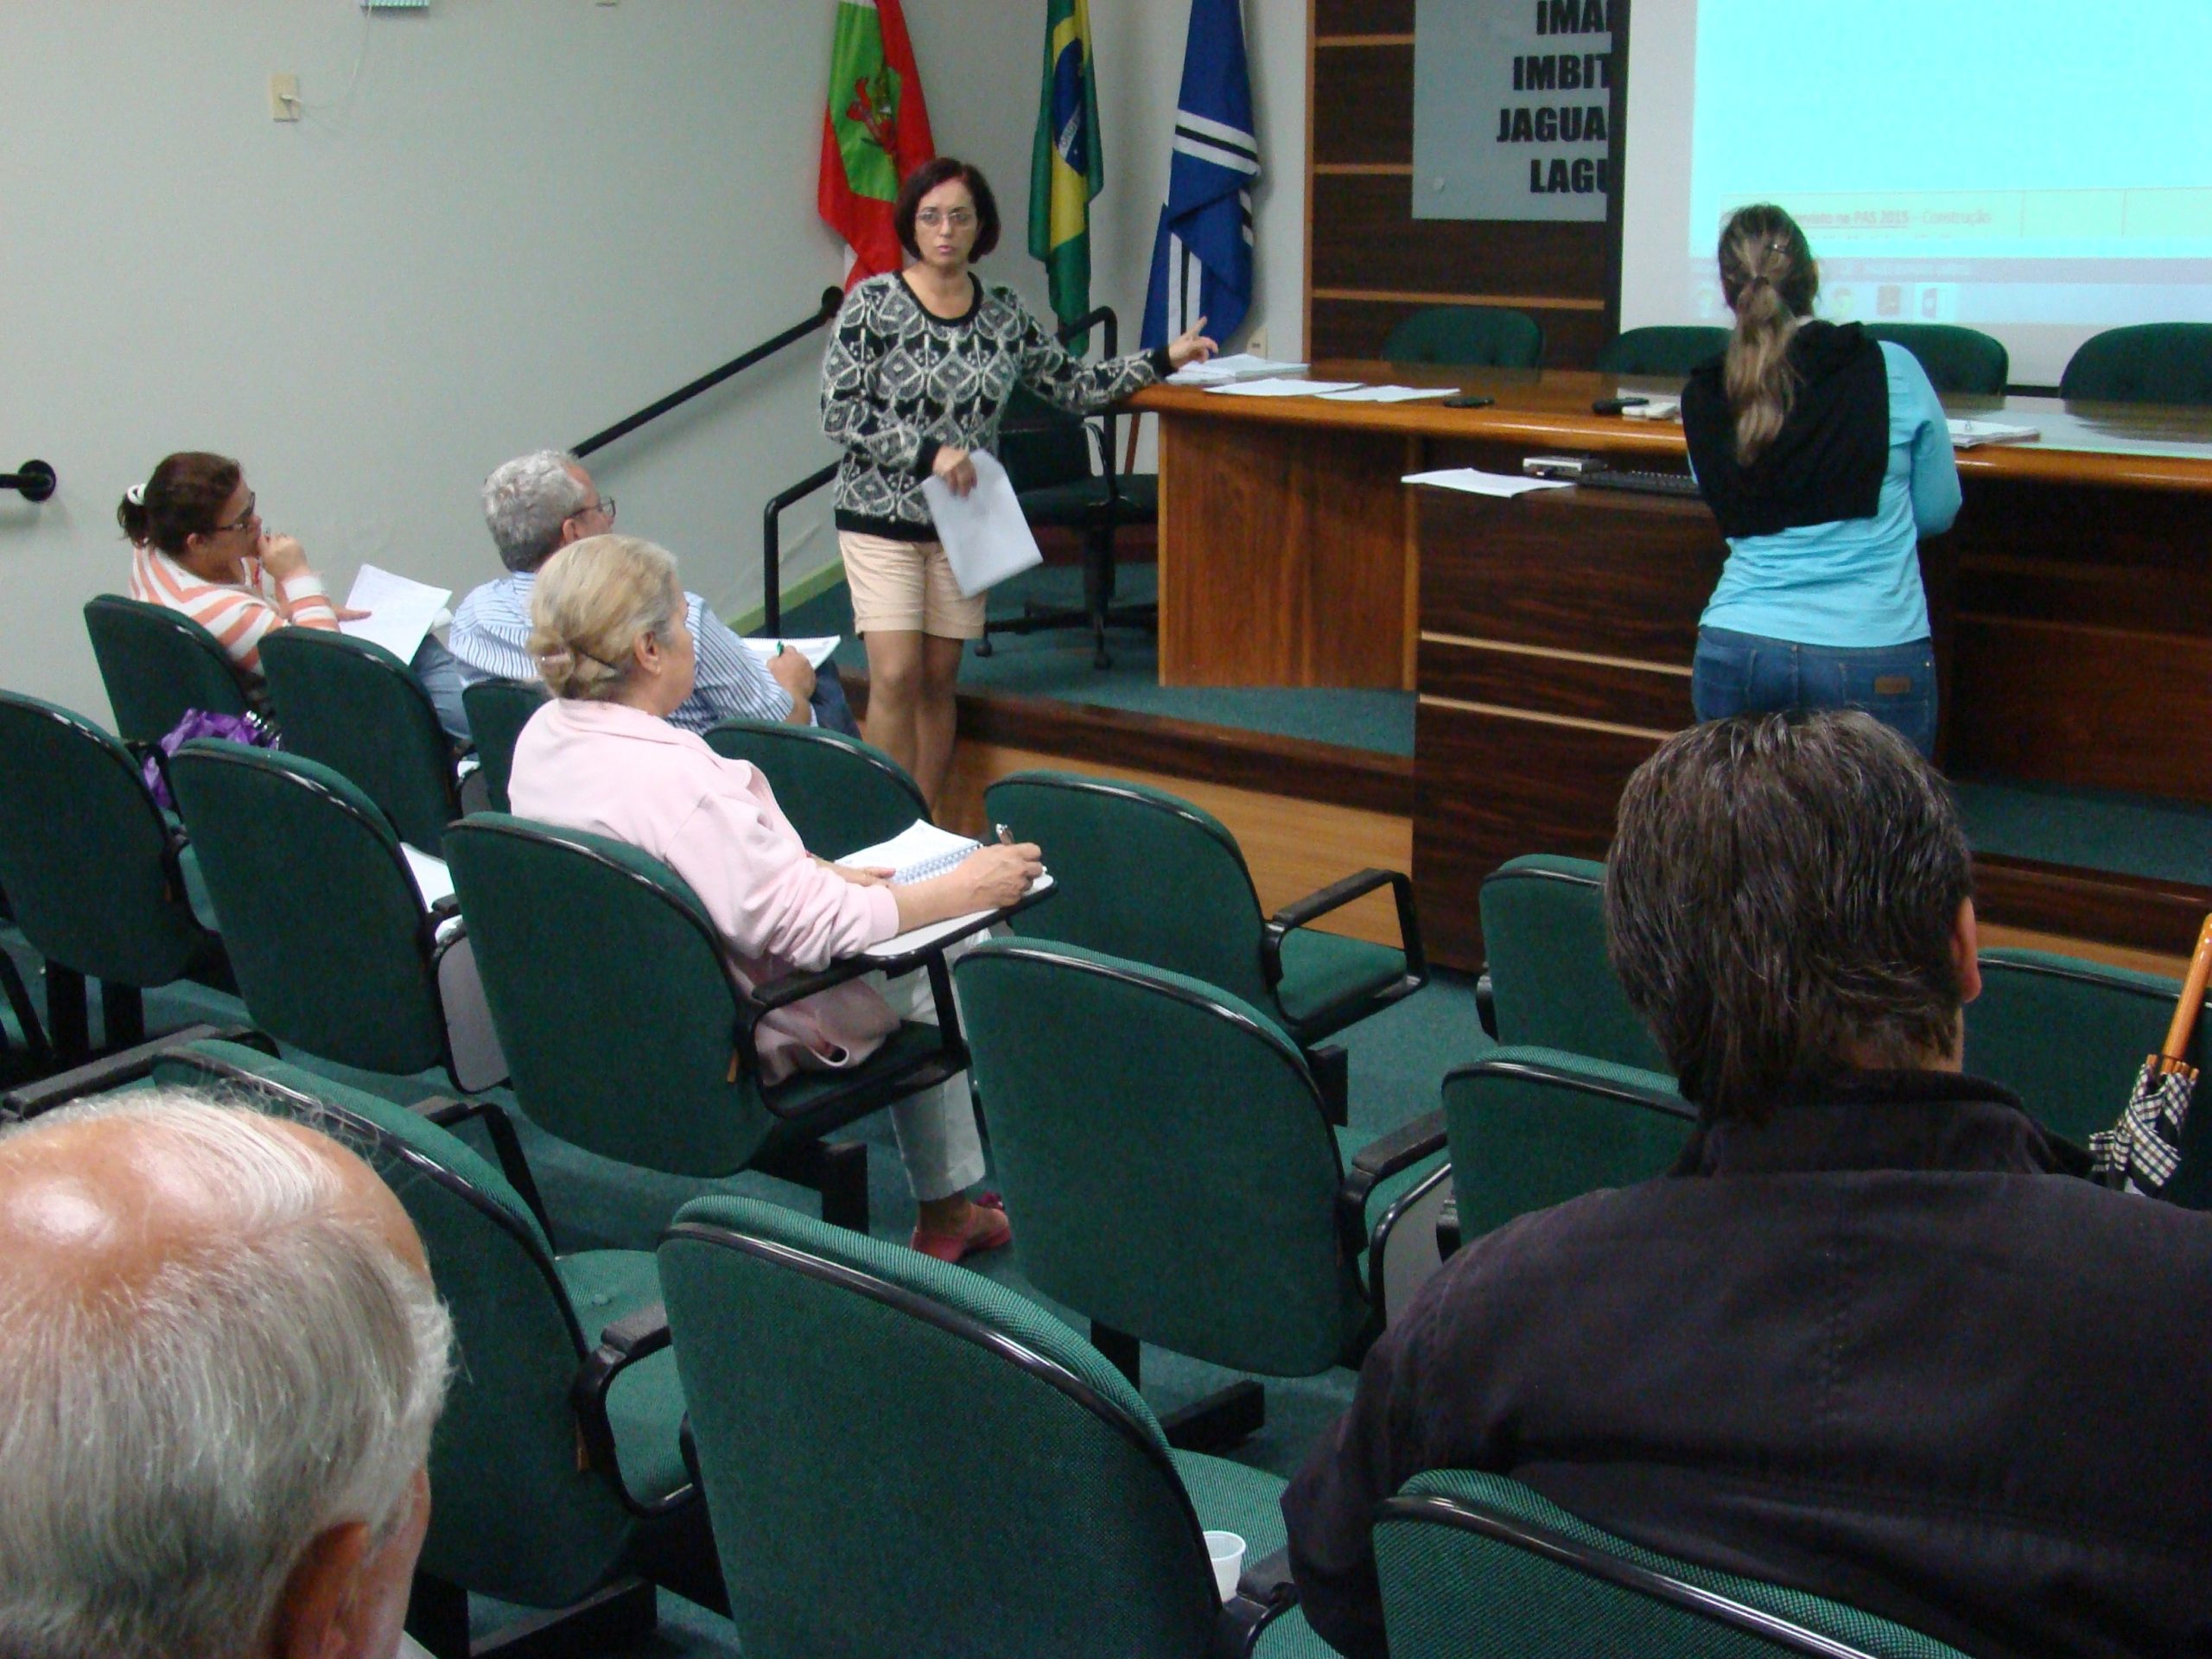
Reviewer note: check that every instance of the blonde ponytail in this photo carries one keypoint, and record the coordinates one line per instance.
(593, 600)
(1769, 278)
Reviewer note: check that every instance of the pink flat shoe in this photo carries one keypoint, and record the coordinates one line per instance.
(988, 1229)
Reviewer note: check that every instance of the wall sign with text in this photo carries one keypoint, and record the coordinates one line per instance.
(1512, 108)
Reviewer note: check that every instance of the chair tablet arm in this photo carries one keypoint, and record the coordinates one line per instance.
(621, 1345)
(1376, 1163)
(797, 988)
(1486, 1004)
(1336, 896)
(113, 1070)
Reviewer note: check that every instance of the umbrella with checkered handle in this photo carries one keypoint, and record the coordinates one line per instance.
(2141, 1151)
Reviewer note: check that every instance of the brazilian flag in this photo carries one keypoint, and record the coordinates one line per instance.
(1067, 166)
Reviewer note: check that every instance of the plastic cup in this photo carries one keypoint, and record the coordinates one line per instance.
(1226, 1551)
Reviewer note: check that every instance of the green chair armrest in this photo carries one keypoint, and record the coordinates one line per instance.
(1302, 912)
(113, 1070)
(621, 1346)
(499, 1129)
(1377, 1162)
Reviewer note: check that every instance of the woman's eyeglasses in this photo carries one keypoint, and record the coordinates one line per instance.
(958, 218)
(242, 520)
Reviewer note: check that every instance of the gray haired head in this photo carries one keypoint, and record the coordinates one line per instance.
(527, 500)
(177, 1425)
(1782, 905)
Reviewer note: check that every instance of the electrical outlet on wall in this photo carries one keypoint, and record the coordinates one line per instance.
(283, 98)
(1256, 342)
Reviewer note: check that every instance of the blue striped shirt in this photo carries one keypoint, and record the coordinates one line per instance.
(491, 638)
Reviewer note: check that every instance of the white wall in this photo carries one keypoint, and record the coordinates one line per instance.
(502, 224)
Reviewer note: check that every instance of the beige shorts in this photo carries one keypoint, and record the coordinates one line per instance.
(906, 585)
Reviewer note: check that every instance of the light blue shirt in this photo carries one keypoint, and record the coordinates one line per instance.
(1854, 582)
(491, 638)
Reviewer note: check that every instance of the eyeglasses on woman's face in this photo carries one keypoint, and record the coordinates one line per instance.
(243, 520)
(959, 219)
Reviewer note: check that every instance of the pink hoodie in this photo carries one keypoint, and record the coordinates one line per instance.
(621, 772)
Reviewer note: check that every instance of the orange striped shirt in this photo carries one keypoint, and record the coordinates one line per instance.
(238, 615)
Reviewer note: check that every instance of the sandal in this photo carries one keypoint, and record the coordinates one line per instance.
(988, 1229)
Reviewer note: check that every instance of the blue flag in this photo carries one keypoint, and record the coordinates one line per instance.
(1202, 254)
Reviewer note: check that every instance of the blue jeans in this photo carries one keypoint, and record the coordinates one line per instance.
(831, 711)
(1749, 674)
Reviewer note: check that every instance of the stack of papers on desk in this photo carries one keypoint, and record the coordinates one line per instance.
(1480, 483)
(1281, 388)
(1239, 365)
(1386, 394)
(915, 853)
(1972, 434)
(400, 610)
(1654, 408)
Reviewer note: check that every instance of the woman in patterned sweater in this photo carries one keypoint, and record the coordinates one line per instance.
(920, 367)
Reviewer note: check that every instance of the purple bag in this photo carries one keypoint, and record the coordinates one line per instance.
(249, 729)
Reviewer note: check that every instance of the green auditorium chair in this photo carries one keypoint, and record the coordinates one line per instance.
(157, 663)
(1957, 360)
(30, 1031)
(629, 1033)
(334, 949)
(96, 873)
(358, 710)
(903, 1458)
(839, 792)
(1530, 1127)
(1549, 984)
(1173, 1174)
(558, 1478)
(1475, 336)
(1478, 1566)
(1665, 349)
(1047, 455)
(2069, 1036)
(1142, 874)
(2150, 363)
(497, 710)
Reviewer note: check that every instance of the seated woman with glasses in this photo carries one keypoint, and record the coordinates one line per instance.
(613, 646)
(198, 546)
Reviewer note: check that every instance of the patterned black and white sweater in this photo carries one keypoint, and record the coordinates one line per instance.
(898, 383)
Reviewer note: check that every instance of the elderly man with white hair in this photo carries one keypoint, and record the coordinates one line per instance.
(224, 1362)
(537, 504)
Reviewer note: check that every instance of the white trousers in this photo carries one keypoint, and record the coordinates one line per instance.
(937, 1139)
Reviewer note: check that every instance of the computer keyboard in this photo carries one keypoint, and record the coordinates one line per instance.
(1640, 483)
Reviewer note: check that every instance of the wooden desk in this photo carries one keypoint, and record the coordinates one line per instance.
(1550, 636)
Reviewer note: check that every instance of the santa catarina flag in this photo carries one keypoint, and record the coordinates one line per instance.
(1067, 166)
(1202, 253)
(875, 130)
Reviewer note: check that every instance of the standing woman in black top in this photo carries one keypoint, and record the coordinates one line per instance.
(919, 366)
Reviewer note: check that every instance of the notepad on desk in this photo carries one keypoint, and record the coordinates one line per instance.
(815, 651)
(915, 853)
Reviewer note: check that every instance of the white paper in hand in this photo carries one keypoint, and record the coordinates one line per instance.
(986, 537)
(400, 610)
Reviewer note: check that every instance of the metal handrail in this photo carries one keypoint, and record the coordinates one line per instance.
(823, 311)
(34, 478)
(771, 533)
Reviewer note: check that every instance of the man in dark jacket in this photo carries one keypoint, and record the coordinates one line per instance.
(1870, 1338)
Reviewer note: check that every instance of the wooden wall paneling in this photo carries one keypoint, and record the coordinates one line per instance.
(1233, 610)
(1363, 105)
(1365, 237)
(2061, 704)
(1582, 688)
(1620, 576)
(1492, 787)
(2081, 905)
(1358, 328)
(1363, 17)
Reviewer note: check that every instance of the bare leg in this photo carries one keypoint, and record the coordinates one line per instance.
(894, 687)
(936, 714)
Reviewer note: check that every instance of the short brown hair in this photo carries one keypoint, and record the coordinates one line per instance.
(1780, 903)
(184, 497)
(943, 169)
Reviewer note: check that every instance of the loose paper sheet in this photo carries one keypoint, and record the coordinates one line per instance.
(1387, 394)
(815, 651)
(1481, 483)
(400, 610)
(1281, 388)
(986, 537)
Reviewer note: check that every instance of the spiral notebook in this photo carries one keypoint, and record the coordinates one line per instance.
(915, 853)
